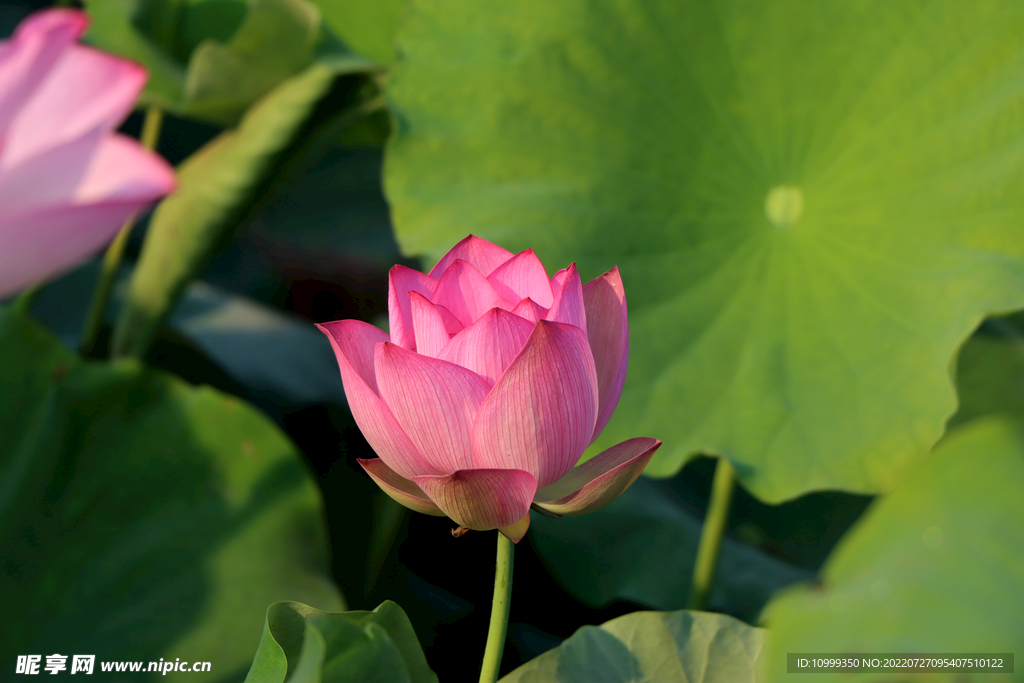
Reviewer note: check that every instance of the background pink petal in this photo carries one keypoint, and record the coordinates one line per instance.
(522, 276)
(465, 292)
(480, 253)
(482, 499)
(26, 59)
(86, 91)
(489, 345)
(568, 304)
(541, 413)
(401, 281)
(435, 401)
(428, 325)
(37, 245)
(401, 490)
(600, 480)
(95, 168)
(608, 332)
(353, 342)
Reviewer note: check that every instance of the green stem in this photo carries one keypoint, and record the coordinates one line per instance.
(499, 611)
(711, 535)
(115, 252)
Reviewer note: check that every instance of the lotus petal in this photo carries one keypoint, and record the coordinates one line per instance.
(489, 345)
(465, 292)
(542, 411)
(530, 310)
(85, 92)
(428, 326)
(435, 402)
(401, 490)
(482, 499)
(515, 532)
(600, 480)
(39, 42)
(353, 342)
(605, 301)
(481, 254)
(523, 276)
(401, 281)
(568, 306)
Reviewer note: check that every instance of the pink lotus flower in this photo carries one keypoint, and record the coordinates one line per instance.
(67, 181)
(493, 382)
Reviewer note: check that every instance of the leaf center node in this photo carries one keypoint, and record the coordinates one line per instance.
(784, 205)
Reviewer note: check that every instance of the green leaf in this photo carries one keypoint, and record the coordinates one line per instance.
(303, 644)
(652, 647)
(642, 548)
(214, 185)
(275, 42)
(990, 372)
(367, 27)
(112, 29)
(812, 204)
(211, 60)
(936, 566)
(142, 518)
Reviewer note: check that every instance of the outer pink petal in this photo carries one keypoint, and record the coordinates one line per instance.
(599, 480)
(27, 58)
(608, 332)
(522, 276)
(541, 413)
(399, 488)
(515, 532)
(401, 281)
(435, 401)
(482, 499)
(86, 91)
(489, 345)
(465, 292)
(353, 342)
(530, 311)
(480, 253)
(568, 306)
(428, 325)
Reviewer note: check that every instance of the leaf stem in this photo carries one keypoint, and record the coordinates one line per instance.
(115, 252)
(711, 535)
(499, 611)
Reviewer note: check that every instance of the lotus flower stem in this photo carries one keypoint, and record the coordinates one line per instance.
(711, 535)
(112, 258)
(499, 611)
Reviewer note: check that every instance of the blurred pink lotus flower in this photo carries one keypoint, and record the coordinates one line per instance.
(493, 382)
(67, 180)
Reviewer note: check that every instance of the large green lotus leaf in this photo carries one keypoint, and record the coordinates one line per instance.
(142, 518)
(936, 566)
(812, 204)
(642, 548)
(367, 26)
(304, 645)
(652, 647)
